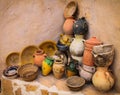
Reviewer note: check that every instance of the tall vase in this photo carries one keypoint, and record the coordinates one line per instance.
(77, 48)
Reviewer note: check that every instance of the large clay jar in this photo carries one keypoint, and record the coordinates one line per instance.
(68, 26)
(77, 48)
(87, 56)
(58, 68)
(86, 72)
(103, 55)
(102, 79)
(39, 56)
(47, 65)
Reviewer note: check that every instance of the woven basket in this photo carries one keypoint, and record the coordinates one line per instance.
(28, 72)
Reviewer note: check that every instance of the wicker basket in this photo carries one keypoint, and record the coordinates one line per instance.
(28, 72)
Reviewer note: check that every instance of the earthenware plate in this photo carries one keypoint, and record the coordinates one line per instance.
(26, 55)
(49, 47)
(12, 59)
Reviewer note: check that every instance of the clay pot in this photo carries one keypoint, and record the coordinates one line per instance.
(47, 65)
(77, 48)
(102, 79)
(68, 26)
(103, 55)
(58, 68)
(39, 56)
(87, 56)
(86, 72)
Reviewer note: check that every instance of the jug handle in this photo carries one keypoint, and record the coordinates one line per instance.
(83, 40)
(45, 55)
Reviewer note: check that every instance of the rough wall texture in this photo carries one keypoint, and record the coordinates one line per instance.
(25, 22)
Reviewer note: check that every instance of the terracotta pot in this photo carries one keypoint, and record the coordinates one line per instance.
(102, 79)
(103, 55)
(58, 68)
(87, 56)
(39, 56)
(77, 48)
(68, 26)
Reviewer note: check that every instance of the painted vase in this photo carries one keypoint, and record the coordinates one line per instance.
(39, 56)
(87, 55)
(47, 65)
(103, 55)
(68, 26)
(58, 68)
(86, 72)
(103, 79)
(71, 69)
(77, 48)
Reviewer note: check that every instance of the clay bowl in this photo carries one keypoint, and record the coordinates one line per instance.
(70, 10)
(75, 83)
(11, 72)
(28, 72)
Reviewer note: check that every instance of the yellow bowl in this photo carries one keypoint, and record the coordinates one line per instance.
(12, 59)
(26, 55)
(49, 47)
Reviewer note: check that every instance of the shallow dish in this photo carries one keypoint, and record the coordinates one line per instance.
(75, 83)
(49, 47)
(71, 9)
(11, 72)
(26, 55)
(28, 72)
(12, 59)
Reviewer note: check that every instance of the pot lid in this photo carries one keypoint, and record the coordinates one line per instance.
(93, 40)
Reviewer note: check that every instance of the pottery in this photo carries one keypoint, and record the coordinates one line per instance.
(103, 55)
(58, 68)
(85, 73)
(71, 69)
(87, 55)
(80, 27)
(66, 39)
(39, 56)
(68, 26)
(77, 48)
(103, 79)
(47, 64)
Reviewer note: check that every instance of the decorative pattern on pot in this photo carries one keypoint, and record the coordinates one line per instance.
(47, 65)
(103, 55)
(77, 48)
(102, 79)
(68, 26)
(39, 56)
(86, 72)
(58, 68)
(71, 69)
(87, 56)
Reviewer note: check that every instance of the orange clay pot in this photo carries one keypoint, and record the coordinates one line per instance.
(68, 26)
(87, 55)
(39, 56)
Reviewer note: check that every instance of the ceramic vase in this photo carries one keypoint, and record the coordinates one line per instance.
(87, 56)
(39, 56)
(77, 48)
(103, 79)
(58, 68)
(103, 55)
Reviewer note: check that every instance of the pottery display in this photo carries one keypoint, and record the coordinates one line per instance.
(86, 72)
(102, 79)
(68, 26)
(103, 55)
(80, 27)
(66, 39)
(70, 10)
(47, 64)
(39, 56)
(77, 48)
(87, 55)
(58, 68)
